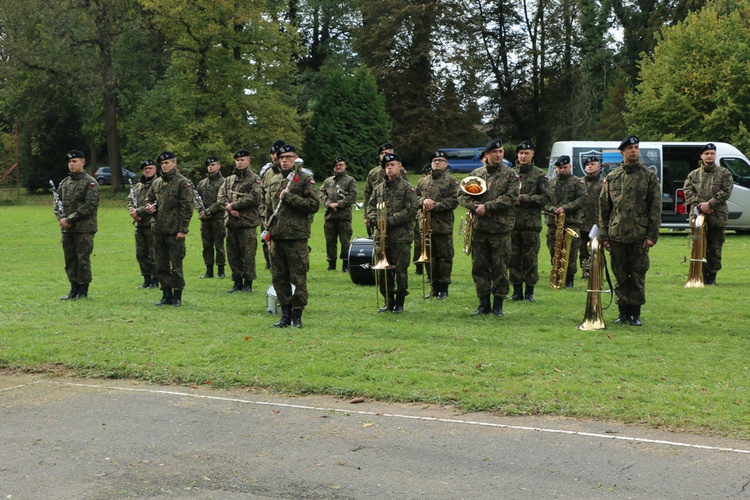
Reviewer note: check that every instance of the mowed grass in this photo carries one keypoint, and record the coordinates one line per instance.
(687, 368)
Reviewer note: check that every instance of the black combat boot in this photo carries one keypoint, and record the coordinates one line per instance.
(166, 297)
(517, 292)
(484, 306)
(331, 265)
(442, 291)
(221, 274)
(569, 280)
(296, 320)
(398, 304)
(710, 279)
(146, 281)
(209, 272)
(497, 309)
(82, 292)
(388, 306)
(624, 316)
(345, 266)
(432, 293)
(529, 295)
(286, 318)
(72, 293)
(635, 316)
(237, 286)
(177, 298)
(154, 282)
(248, 286)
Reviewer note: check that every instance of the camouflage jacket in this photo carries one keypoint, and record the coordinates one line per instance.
(141, 191)
(266, 173)
(566, 192)
(243, 190)
(79, 193)
(375, 177)
(341, 189)
(174, 198)
(713, 185)
(298, 207)
(593, 189)
(400, 200)
(442, 188)
(630, 205)
(535, 195)
(503, 186)
(209, 188)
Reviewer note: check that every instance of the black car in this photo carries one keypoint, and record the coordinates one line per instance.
(104, 177)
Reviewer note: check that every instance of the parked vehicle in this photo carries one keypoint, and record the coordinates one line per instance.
(464, 160)
(104, 176)
(672, 161)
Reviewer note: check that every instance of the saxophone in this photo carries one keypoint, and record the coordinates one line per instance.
(561, 258)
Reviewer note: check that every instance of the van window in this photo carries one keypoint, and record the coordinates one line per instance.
(460, 154)
(739, 168)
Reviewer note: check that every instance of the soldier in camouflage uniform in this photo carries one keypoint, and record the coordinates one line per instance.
(376, 176)
(266, 173)
(289, 233)
(171, 200)
(629, 218)
(707, 189)
(240, 198)
(400, 204)
(437, 194)
(525, 240)
(144, 235)
(338, 194)
(593, 183)
(79, 193)
(493, 220)
(212, 219)
(567, 196)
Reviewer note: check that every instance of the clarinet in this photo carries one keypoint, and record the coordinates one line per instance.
(201, 207)
(58, 202)
(132, 194)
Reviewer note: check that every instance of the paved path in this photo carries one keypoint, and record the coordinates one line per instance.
(71, 438)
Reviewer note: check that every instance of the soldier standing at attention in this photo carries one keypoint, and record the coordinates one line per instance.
(171, 200)
(593, 184)
(79, 193)
(437, 194)
(144, 235)
(338, 194)
(525, 240)
(399, 200)
(376, 176)
(567, 196)
(289, 233)
(629, 218)
(708, 188)
(240, 198)
(493, 221)
(266, 173)
(212, 219)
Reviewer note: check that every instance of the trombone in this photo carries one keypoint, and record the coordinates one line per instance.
(382, 264)
(426, 257)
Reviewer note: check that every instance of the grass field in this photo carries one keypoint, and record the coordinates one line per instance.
(686, 369)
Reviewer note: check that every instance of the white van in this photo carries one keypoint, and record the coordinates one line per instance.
(671, 161)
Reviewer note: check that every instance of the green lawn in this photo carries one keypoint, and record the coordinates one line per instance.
(687, 368)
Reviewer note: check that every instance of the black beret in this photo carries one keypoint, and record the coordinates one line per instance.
(388, 157)
(166, 155)
(75, 153)
(241, 153)
(708, 147)
(591, 159)
(562, 161)
(493, 144)
(212, 159)
(385, 146)
(437, 154)
(337, 160)
(631, 139)
(276, 146)
(287, 148)
(426, 168)
(525, 145)
(146, 163)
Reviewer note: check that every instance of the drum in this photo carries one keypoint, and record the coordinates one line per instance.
(272, 303)
(360, 262)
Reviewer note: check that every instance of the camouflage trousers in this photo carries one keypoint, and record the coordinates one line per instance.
(337, 231)
(489, 264)
(242, 245)
(524, 256)
(629, 263)
(714, 242)
(574, 246)
(290, 262)
(144, 250)
(169, 253)
(77, 248)
(396, 280)
(441, 268)
(212, 237)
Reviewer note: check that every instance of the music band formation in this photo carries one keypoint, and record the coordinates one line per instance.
(501, 228)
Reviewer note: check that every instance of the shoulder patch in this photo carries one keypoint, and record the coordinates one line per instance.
(604, 181)
(257, 181)
(412, 190)
(92, 184)
(312, 181)
(546, 176)
(580, 181)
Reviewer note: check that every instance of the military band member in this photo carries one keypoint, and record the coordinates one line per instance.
(170, 199)
(213, 232)
(144, 235)
(338, 194)
(376, 176)
(399, 200)
(437, 194)
(79, 194)
(240, 199)
(525, 240)
(493, 220)
(708, 188)
(265, 174)
(593, 183)
(567, 196)
(629, 219)
(289, 234)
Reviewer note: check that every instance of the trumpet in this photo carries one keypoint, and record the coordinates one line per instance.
(698, 253)
(426, 257)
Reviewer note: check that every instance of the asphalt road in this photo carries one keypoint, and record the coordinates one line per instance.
(102, 439)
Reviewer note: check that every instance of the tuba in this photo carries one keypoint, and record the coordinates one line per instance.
(473, 186)
(593, 319)
(698, 253)
(561, 258)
